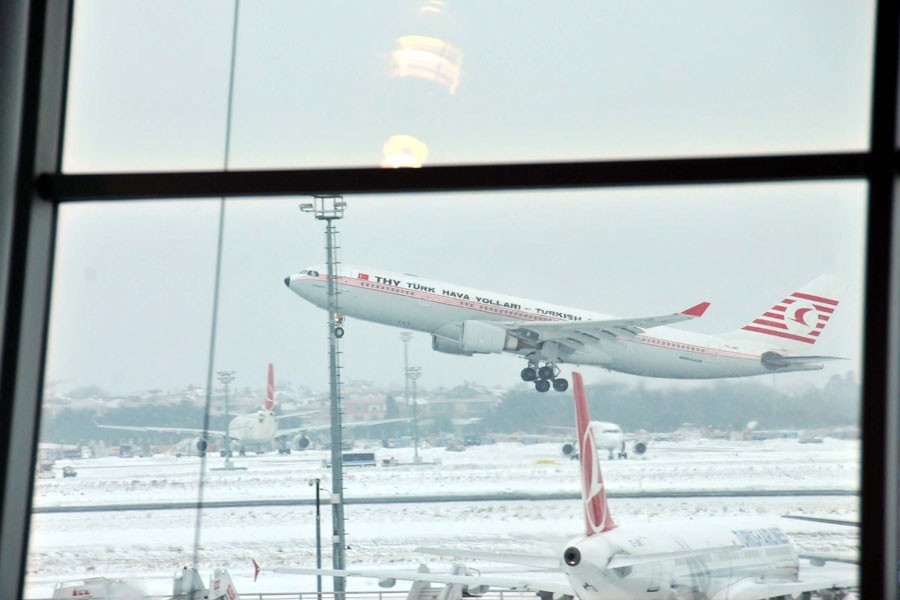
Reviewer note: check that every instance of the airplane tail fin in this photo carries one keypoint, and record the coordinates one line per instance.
(597, 518)
(796, 322)
(270, 390)
(221, 587)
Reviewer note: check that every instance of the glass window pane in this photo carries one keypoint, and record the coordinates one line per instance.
(429, 82)
(130, 334)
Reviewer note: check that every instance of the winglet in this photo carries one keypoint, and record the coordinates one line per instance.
(593, 494)
(256, 569)
(270, 390)
(696, 311)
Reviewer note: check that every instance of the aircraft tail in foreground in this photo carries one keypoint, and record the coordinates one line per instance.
(593, 494)
(270, 390)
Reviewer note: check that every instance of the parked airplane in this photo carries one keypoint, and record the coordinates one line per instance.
(467, 321)
(255, 430)
(609, 437)
(718, 558)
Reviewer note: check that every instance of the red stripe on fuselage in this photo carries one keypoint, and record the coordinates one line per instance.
(815, 298)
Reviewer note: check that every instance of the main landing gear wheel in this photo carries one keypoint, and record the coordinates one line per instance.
(542, 385)
(338, 332)
(560, 385)
(529, 374)
(546, 372)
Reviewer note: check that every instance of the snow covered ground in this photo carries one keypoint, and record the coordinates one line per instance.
(152, 545)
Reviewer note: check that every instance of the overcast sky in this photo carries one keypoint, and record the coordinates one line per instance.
(133, 282)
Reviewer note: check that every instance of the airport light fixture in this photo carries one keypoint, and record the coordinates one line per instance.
(226, 377)
(330, 208)
(412, 374)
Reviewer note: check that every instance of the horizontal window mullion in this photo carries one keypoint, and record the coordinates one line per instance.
(745, 169)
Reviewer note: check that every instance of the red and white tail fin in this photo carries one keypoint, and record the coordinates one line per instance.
(593, 494)
(797, 321)
(270, 390)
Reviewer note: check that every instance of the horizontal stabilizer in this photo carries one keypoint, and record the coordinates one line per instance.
(776, 361)
(629, 560)
(525, 560)
(826, 520)
(819, 560)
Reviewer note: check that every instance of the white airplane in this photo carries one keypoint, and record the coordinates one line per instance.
(467, 321)
(610, 437)
(255, 430)
(715, 558)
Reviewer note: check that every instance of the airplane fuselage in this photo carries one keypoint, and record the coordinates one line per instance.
(254, 429)
(438, 308)
(749, 549)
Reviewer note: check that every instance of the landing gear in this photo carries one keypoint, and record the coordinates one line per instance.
(544, 377)
(338, 332)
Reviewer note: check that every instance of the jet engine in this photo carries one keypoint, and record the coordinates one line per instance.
(387, 583)
(471, 337)
(300, 442)
(201, 445)
(477, 590)
(639, 448)
(568, 449)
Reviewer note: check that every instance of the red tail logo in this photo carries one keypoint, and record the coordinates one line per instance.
(799, 317)
(597, 518)
(270, 391)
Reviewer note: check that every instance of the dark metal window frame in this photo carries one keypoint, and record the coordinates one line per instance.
(33, 61)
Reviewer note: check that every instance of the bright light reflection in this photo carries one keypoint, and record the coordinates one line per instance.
(404, 151)
(428, 58)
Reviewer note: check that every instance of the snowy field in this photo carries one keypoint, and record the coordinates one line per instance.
(151, 545)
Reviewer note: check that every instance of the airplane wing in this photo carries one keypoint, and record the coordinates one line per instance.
(826, 520)
(308, 428)
(297, 414)
(523, 583)
(536, 561)
(187, 430)
(582, 332)
(756, 589)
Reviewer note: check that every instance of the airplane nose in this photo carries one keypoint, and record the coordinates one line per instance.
(287, 281)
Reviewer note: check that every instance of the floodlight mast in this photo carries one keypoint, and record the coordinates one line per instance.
(226, 377)
(330, 209)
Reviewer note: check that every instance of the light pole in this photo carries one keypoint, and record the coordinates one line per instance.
(406, 336)
(330, 209)
(226, 377)
(413, 373)
(315, 482)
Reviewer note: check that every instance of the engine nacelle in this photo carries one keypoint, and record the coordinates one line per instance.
(473, 337)
(477, 590)
(568, 448)
(201, 445)
(387, 583)
(639, 448)
(442, 344)
(300, 442)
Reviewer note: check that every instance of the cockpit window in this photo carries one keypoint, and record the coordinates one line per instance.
(313, 273)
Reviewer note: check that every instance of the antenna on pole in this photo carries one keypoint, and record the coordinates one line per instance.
(330, 209)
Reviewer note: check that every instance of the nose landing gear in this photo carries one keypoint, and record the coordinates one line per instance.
(544, 377)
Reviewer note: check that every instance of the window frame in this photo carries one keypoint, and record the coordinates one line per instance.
(33, 71)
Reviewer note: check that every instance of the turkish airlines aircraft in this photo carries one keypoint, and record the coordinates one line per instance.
(467, 321)
(255, 430)
(715, 558)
